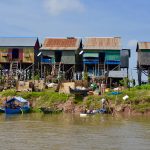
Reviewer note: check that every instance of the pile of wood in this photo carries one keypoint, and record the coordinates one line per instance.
(81, 83)
(23, 86)
(37, 85)
(64, 87)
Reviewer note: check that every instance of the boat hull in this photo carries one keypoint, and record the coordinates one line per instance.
(83, 115)
(2, 110)
(17, 110)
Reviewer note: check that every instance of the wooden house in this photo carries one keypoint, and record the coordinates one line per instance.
(61, 55)
(143, 59)
(18, 53)
(102, 57)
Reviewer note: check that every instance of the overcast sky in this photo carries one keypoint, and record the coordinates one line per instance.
(128, 19)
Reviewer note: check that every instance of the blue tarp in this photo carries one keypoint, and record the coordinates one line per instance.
(115, 93)
(90, 61)
(19, 99)
(112, 62)
(93, 62)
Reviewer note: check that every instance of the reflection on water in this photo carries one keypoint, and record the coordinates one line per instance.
(70, 132)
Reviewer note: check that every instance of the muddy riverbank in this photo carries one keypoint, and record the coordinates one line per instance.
(138, 102)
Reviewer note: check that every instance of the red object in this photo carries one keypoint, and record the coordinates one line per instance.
(21, 54)
(10, 54)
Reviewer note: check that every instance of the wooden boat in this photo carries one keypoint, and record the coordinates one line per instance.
(47, 110)
(17, 105)
(83, 115)
(2, 109)
(98, 111)
(79, 91)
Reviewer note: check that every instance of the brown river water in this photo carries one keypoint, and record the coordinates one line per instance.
(71, 132)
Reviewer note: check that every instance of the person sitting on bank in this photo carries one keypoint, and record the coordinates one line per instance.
(105, 103)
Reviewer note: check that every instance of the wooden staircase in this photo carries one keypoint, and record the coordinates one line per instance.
(56, 69)
(14, 68)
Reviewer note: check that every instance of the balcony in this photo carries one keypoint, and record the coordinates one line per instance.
(47, 61)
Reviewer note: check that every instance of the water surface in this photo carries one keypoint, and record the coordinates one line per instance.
(70, 132)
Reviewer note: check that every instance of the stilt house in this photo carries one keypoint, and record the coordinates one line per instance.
(17, 53)
(102, 57)
(143, 61)
(61, 56)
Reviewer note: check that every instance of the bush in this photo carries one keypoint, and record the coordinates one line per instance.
(144, 87)
(9, 93)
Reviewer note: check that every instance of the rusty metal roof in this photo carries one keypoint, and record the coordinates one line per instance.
(144, 45)
(61, 44)
(102, 43)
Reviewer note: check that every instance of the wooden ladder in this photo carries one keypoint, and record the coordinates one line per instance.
(14, 68)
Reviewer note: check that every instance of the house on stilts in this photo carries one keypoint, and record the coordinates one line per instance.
(104, 58)
(17, 54)
(143, 60)
(60, 57)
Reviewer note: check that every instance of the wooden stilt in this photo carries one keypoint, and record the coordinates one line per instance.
(139, 75)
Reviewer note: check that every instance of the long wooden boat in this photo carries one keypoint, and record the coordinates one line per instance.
(47, 110)
(79, 91)
(98, 111)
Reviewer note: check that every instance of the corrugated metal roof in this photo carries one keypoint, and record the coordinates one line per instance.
(17, 41)
(104, 43)
(144, 45)
(61, 44)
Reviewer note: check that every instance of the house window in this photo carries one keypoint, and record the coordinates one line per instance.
(15, 53)
(27, 55)
(4, 54)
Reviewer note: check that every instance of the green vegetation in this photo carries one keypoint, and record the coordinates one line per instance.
(85, 76)
(139, 98)
(93, 102)
(47, 98)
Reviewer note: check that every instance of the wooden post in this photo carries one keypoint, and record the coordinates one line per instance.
(104, 68)
(32, 72)
(139, 75)
(149, 75)
(110, 83)
(98, 70)
(95, 69)
(44, 74)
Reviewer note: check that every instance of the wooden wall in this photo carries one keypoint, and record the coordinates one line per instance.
(26, 55)
(4, 55)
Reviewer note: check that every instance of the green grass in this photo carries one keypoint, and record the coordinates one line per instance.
(139, 98)
(142, 107)
(47, 98)
(93, 102)
(8, 93)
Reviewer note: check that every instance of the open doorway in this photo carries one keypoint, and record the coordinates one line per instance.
(58, 55)
(15, 53)
(101, 57)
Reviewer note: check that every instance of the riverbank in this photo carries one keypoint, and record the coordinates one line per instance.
(137, 103)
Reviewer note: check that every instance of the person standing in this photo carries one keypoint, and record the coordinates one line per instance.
(103, 87)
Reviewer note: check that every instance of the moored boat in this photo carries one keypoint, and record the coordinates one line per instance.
(93, 112)
(83, 115)
(17, 105)
(2, 109)
(79, 91)
(48, 110)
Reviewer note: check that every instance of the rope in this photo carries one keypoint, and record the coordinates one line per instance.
(21, 111)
